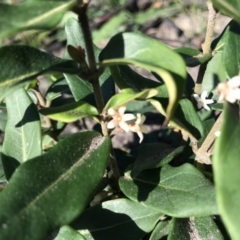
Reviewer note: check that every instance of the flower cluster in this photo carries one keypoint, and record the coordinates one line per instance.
(126, 122)
(230, 90)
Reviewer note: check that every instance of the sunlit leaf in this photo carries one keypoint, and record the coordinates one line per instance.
(229, 7)
(123, 98)
(145, 52)
(192, 57)
(22, 139)
(176, 191)
(50, 191)
(226, 165)
(21, 64)
(81, 89)
(70, 112)
(123, 219)
(41, 15)
(194, 228)
(67, 233)
(160, 230)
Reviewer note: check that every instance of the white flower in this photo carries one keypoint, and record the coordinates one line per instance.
(230, 90)
(137, 126)
(119, 119)
(202, 101)
(127, 122)
(217, 133)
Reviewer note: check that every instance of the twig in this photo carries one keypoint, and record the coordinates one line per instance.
(206, 46)
(94, 80)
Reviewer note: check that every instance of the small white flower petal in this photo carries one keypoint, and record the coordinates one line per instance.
(122, 110)
(234, 82)
(124, 126)
(204, 95)
(111, 124)
(143, 129)
(209, 101)
(217, 133)
(197, 98)
(140, 136)
(128, 117)
(111, 112)
(207, 107)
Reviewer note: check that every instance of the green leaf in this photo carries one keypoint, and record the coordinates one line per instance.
(161, 154)
(215, 73)
(51, 190)
(176, 191)
(185, 119)
(81, 89)
(114, 25)
(145, 52)
(229, 7)
(70, 112)
(231, 52)
(27, 63)
(41, 15)
(123, 219)
(192, 57)
(125, 77)
(123, 98)
(67, 233)
(161, 230)
(2, 173)
(194, 228)
(225, 165)
(187, 116)
(3, 120)
(22, 139)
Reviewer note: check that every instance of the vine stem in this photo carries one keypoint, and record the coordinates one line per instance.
(206, 46)
(94, 74)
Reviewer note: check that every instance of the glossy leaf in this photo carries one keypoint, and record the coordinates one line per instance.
(231, 52)
(194, 228)
(160, 230)
(27, 63)
(188, 117)
(229, 7)
(176, 191)
(123, 219)
(51, 190)
(67, 233)
(41, 15)
(145, 52)
(161, 154)
(192, 57)
(70, 112)
(22, 139)
(226, 165)
(81, 89)
(123, 98)
(185, 119)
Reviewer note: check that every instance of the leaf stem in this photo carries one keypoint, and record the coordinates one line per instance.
(206, 46)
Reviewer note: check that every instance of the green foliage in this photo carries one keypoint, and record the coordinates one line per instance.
(59, 184)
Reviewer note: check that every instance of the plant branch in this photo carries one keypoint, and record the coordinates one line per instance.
(206, 46)
(93, 78)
